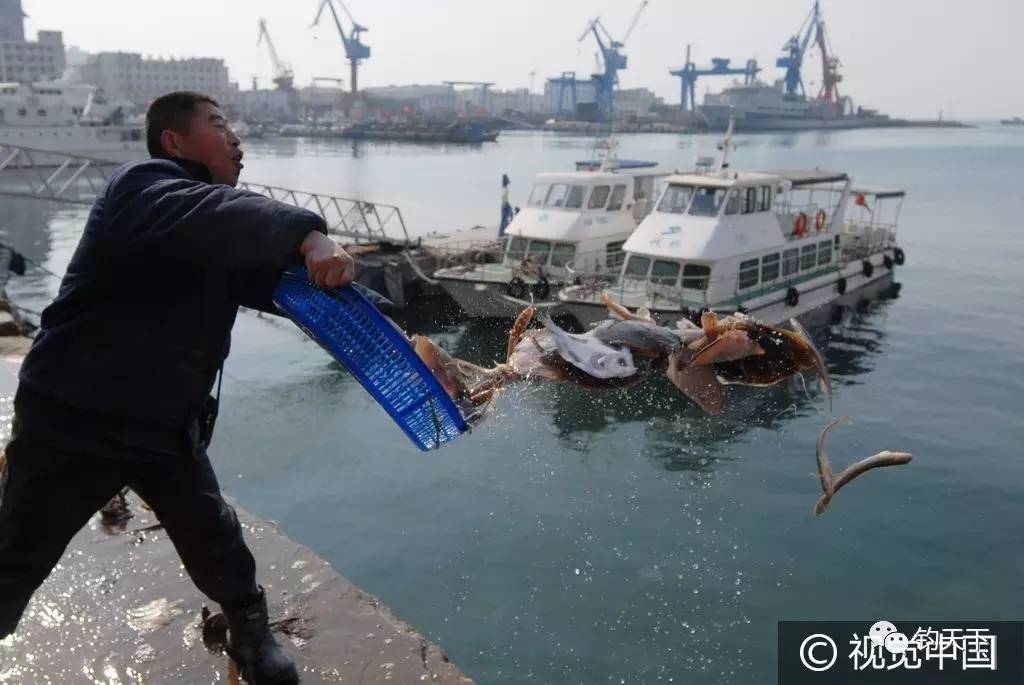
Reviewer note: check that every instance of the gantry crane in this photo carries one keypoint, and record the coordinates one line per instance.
(792, 59)
(355, 50)
(613, 59)
(284, 78)
(719, 67)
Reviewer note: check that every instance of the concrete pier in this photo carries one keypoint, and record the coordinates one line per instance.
(119, 608)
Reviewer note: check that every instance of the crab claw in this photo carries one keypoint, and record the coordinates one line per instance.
(729, 346)
(709, 322)
(515, 334)
(698, 383)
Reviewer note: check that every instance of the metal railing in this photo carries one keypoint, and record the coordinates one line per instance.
(46, 175)
(358, 220)
(76, 179)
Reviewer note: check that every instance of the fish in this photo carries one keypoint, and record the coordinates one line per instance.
(644, 337)
(589, 354)
(830, 483)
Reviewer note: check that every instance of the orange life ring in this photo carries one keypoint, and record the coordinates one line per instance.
(819, 220)
(800, 225)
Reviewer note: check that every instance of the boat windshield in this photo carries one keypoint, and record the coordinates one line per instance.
(675, 199)
(565, 196)
(707, 201)
(540, 191)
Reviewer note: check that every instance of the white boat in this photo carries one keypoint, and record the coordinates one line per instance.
(574, 222)
(71, 119)
(774, 244)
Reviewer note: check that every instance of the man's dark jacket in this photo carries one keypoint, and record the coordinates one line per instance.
(130, 348)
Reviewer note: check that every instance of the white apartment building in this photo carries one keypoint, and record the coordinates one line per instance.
(23, 60)
(130, 76)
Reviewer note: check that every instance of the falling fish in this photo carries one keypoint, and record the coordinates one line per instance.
(589, 354)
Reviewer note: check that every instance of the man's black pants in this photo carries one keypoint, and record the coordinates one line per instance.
(52, 486)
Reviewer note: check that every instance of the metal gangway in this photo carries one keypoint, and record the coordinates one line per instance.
(77, 179)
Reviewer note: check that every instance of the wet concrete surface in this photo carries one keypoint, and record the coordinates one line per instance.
(120, 609)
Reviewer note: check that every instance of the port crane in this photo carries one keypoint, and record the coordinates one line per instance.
(690, 72)
(613, 59)
(792, 59)
(355, 50)
(830, 76)
(284, 78)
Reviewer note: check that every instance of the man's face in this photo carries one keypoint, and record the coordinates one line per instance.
(210, 141)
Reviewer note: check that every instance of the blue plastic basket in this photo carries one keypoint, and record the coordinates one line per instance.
(351, 329)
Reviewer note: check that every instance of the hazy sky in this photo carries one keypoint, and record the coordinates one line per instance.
(905, 57)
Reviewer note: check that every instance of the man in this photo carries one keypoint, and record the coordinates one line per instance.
(116, 388)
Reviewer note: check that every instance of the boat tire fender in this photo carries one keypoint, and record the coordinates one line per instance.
(898, 256)
(887, 260)
(819, 220)
(792, 297)
(841, 285)
(517, 289)
(867, 268)
(541, 289)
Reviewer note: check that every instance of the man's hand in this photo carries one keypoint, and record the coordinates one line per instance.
(329, 266)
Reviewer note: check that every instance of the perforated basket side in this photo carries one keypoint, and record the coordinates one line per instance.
(351, 329)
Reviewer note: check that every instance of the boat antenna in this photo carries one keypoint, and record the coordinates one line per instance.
(725, 147)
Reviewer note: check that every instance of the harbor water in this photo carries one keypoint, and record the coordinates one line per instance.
(625, 537)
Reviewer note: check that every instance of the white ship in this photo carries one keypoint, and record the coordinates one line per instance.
(774, 244)
(763, 107)
(574, 222)
(72, 119)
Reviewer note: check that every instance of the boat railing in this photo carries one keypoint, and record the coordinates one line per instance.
(789, 215)
(465, 252)
(859, 240)
(358, 220)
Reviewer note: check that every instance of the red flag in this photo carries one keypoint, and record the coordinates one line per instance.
(861, 201)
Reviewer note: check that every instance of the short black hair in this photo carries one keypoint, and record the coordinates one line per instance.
(173, 111)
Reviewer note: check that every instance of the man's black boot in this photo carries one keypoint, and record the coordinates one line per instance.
(260, 659)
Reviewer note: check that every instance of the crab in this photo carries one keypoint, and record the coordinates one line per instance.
(630, 348)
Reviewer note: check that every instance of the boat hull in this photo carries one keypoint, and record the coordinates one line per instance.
(486, 300)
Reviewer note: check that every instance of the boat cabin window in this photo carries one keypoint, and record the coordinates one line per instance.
(637, 267)
(707, 201)
(562, 254)
(575, 199)
(517, 249)
(766, 198)
(695, 276)
(748, 273)
(665, 273)
(825, 253)
(808, 257)
(769, 267)
(750, 201)
(538, 251)
(540, 191)
(615, 204)
(732, 202)
(676, 199)
(598, 197)
(790, 262)
(556, 196)
(613, 254)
